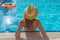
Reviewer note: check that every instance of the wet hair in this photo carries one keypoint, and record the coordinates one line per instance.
(28, 23)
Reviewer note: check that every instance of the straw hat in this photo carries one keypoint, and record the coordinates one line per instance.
(30, 12)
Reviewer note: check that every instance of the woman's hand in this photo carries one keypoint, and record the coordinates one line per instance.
(44, 35)
(17, 34)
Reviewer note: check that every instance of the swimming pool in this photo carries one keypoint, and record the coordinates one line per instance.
(48, 14)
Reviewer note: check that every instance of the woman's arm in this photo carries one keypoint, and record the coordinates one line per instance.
(17, 34)
(41, 29)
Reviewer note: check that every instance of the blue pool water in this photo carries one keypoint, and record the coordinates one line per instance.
(48, 15)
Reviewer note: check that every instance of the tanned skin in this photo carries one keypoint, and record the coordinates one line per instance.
(35, 24)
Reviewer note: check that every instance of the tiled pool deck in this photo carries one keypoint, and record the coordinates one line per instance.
(10, 36)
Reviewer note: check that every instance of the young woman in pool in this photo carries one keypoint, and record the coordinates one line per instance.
(30, 22)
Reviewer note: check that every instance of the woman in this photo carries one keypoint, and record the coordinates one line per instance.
(30, 22)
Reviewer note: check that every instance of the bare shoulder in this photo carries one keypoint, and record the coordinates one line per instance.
(23, 20)
(38, 22)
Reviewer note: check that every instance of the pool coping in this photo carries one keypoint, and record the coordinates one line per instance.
(11, 35)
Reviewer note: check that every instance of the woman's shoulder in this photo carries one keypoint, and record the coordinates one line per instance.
(22, 20)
